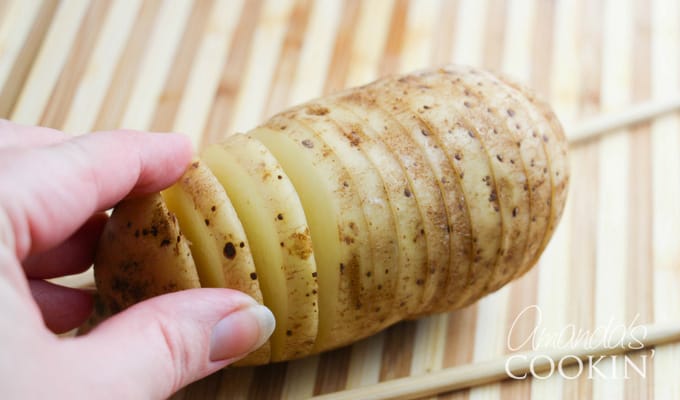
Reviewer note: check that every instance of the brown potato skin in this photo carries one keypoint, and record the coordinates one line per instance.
(484, 168)
(141, 254)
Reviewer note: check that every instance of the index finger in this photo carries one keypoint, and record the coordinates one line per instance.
(57, 188)
(18, 135)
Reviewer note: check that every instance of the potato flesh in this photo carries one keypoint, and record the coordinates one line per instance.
(511, 166)
(404, 134)
(207, 260)
(399, 178)
(275, 225)
(435, 211)
(210, 223)
(334, 127)
(391, 246)
(337, 225)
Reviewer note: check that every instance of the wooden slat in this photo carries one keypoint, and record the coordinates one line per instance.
(49, 62)
(155, 64)
(371, 44)
(56, 110)
(98, 73)
(317, 49)
(16, 20)
(612, 224)
(470, 32)
(22, 64)
(177, 78)
(289, 59)
(340, 57)
(204, 77)
(222, 110)
(118, 92)
(665, 142)
(255, 82)
(639, 305)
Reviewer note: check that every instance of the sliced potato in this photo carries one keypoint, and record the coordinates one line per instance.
(459, 139)
(210, 223)
(514, 156)
(506, 177)
(337, 224)
(405, 197)
(142, 253)
(178, 201)
(335, 127)
(555, 172)
(406, 136)
(412, 253)
(271, 213)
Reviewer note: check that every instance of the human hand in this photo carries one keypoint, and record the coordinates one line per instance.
(53, 189)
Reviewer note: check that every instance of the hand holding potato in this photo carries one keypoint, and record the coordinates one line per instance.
(52, 189)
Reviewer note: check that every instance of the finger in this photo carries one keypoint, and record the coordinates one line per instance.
(73, 256)
(56, 188)
(17, 135)
(158, 346)
(62, 308)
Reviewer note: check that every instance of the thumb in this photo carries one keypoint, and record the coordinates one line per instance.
(156, 347)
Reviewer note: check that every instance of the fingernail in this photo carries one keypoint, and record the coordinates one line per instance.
(241, 332)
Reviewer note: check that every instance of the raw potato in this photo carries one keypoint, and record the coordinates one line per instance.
(397, 170)
(342, 131)
(337, 225)
(274, 220)
(408, 196)
(142, 253)
(210, 223)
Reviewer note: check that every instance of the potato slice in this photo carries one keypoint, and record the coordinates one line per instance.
(142, 253)
(275, 224)
(555, 171)
(379, 131)
(459, 139)
(488, 183)
(335, 127)
(202, 244)
(337, 224)
(497, 148)
(217, 240)
(518, 160)
(394, 124)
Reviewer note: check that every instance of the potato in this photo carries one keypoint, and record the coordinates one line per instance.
(213, 229)
(275, 222)
(142, 253)
(405, 197)
(337, 222)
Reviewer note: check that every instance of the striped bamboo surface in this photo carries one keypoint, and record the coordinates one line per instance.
(211, 67)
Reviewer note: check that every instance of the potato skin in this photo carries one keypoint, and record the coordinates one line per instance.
(141, 254)
(484, 169)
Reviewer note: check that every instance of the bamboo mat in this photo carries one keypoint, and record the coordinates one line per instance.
(209, 68)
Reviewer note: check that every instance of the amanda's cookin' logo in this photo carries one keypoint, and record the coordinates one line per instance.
(616, 339)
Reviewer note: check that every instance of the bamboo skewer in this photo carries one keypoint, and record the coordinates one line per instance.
(600, 125)
(519, 364)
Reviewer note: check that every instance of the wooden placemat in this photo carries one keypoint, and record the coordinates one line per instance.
(208, 68)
